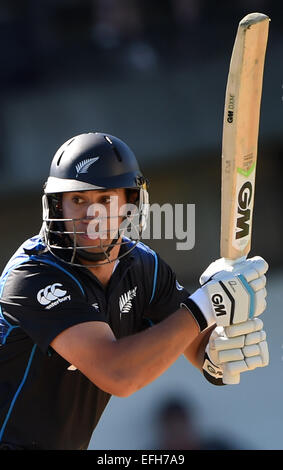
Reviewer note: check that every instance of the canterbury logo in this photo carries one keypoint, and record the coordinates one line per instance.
(52, 295)
(84, 165)
(125, 300)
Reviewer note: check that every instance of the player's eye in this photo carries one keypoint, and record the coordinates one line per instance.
(106, 199)
(77, 200)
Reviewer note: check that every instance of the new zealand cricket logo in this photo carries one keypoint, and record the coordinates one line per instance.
(84, 165)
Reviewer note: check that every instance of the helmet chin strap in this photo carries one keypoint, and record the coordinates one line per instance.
(86, 255)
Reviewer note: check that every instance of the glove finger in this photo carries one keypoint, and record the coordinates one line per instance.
(235, 367)
(259, 302)
(259, 264)
(230, 355)
(251, 350)
(228, 378)
(258, 284)
(254, 362)
(224, 343)
(253, 268)
(255, 337)
(264, 353)
(249, 273)
(249, 326)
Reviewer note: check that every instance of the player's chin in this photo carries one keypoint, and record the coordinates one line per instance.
(94, 245)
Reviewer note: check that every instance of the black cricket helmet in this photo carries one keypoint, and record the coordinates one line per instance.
(87, 162)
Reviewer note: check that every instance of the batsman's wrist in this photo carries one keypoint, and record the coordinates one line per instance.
(199, 306)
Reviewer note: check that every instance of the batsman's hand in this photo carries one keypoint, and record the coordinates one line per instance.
(232, 295)
(227, 356)
(251, 268)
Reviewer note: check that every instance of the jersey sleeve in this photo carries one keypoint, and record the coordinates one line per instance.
(167, 293)
(44, 301)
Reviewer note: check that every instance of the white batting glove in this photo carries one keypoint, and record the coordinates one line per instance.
(230, 296)
(245, 349)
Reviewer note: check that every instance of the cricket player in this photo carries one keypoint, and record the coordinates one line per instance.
(87, 312)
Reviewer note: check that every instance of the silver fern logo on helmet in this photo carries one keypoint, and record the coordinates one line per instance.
(84, 165)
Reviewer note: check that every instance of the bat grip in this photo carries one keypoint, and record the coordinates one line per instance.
(228, 377)
(232, 262)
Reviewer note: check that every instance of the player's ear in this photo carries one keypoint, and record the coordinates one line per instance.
(56, 205)
(132, 196)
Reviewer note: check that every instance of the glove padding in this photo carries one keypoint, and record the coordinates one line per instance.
(245, 349)
(233, 295)
(251, 268)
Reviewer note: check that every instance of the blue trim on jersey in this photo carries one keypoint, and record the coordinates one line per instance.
(53, 263)
(154, 277)
(4, 334)
(143, 247)
(5, 327)
(26, 258)
(251, 292)
(18, 391)
(33, 243)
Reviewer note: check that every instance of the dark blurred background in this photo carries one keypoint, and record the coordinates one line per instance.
(154, 74)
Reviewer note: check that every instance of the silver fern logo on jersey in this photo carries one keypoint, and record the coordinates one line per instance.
(125, 301)
(84, 165)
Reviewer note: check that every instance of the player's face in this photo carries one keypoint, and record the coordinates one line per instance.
(95, 215)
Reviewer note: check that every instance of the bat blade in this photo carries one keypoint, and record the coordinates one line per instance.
(240, 135)
(240, 142)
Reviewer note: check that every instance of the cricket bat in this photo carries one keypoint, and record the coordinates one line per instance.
(240, 139)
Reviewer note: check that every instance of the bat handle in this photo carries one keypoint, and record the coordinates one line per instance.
(232, 262)
(228, 377)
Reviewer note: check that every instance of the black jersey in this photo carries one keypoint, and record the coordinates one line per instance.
(45, 402)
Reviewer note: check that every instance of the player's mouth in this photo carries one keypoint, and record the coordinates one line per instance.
(93, 239)
(90, 239)
(86, 236)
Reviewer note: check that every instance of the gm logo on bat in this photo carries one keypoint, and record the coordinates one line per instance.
(244, 212)
(231, 105)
